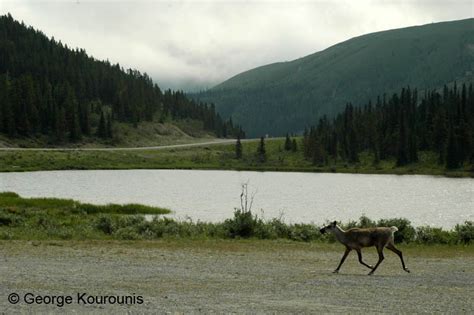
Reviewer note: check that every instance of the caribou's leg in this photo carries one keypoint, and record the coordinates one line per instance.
(392, 247)
(381, 258)
(360, 259)
(348, 250)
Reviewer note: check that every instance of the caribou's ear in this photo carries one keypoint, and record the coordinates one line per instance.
(334, 223)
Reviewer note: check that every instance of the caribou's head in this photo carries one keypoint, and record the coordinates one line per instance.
(329, 228)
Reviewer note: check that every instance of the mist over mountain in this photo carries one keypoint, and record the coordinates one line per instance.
(55, 95)
(287, 96)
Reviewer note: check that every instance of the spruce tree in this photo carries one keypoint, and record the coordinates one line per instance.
(60, 125)
(43, 76)
(102, 128)
(402, 155)
(238, 148)
(74, 128)
(440, 135)
(84, 120)
(108, 129)
(20, 113)
(318, 153)
(261, 152)
(452, 152)
(287, 143)
(294, 146)
(353, 152)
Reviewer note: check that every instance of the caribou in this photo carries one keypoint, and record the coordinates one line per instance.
(357, 238)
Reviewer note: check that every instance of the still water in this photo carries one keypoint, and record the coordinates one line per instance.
(298, 197)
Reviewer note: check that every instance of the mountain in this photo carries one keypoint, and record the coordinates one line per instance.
(288, 96)
(58, 95)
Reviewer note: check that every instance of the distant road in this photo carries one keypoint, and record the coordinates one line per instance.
(161, 147)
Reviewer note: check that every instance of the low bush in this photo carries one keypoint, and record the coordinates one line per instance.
(405, 233)
(9, 217)
(432, 235)
(104, 224)
(127, 233)
(244, 224)
(465, 232)
(66, 219)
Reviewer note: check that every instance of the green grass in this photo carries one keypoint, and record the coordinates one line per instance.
(52, 218)
(125, 135)
(56, 219)
(218, 157)
(11, 201)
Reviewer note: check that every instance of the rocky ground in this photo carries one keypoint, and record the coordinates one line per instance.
(234, 277)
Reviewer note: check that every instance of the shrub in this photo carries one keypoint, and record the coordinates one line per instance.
(405, 233)
(264, 230)
(280, 229)
(60, 232)
(304, 232)
(169, 227)
(211, 229)
(243, 224)
(6, 235)
(351, 224)
(430, 235)
(129, 220)
(127, 233)
(365, 222)
(465, 232)
(104, 223)
(9, 218)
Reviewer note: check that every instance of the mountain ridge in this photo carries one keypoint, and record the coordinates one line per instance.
(51, 94)
(287, 96)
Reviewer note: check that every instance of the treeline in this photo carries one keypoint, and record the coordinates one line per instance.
(399, 127)
(48, 88)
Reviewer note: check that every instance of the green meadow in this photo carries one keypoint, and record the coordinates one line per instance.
(216, 157)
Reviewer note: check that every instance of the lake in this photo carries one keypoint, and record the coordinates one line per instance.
(298, 197)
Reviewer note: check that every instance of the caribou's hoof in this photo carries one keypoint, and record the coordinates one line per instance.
(335, 271)
(406, 269)
(370, 273)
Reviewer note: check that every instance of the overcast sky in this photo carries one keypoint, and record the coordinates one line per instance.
(197, 44)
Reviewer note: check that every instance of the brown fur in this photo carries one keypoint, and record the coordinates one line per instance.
(356, 239)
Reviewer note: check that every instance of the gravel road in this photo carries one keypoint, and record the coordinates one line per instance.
(160, 147)
(234, 277)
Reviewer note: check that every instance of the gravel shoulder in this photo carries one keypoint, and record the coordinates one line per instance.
(235, 276)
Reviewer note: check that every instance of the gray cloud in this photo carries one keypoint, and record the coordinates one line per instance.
(196, 44)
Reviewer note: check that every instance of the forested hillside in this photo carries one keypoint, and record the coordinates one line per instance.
(49, 89)
(395, 127)
(284, 97)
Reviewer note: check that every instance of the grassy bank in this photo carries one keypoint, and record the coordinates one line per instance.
(220, 157)
(54, 219)
(124, 135)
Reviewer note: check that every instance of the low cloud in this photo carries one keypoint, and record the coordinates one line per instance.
(195, 45)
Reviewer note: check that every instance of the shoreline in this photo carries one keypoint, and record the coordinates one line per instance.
(214, 156)
(440, 173)
(66, 219)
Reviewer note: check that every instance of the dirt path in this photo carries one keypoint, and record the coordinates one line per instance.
(161, 147)
(240, 276)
